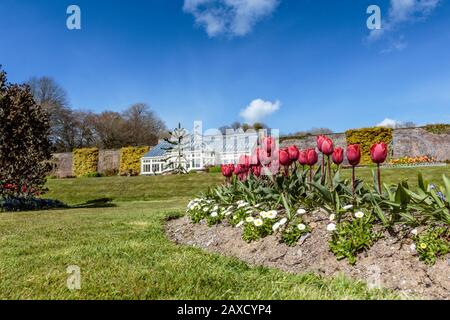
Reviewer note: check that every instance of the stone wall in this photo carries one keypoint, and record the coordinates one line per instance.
(419, 142)
(411, 142)
(108, 162)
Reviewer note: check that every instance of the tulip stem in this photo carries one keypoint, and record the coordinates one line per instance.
(310, 176)
(323, 167)
(353, 180)
(330, 181)
(379, 178)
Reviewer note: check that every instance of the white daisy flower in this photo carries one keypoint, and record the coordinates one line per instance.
(301, 227)
(263, 214)
(359, 214)
(301, 211)
(282, 221)
(239, 224)
(214, 214)
(216, 208)
(258, 222)
(413, 247)
(205, 209)
(331, 227)
(272, 214)
(249, 219)
(414, 232)
(332, 217)
(235, 217)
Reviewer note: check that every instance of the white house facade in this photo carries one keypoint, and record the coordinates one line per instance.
(199, 151)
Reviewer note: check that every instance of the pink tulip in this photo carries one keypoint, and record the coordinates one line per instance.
(319, 140)
(302, 157)
(327, 146)
(269, 145)
(379, 152)
(338, 156)
(354, 154)
(256, 171)
(293, 153)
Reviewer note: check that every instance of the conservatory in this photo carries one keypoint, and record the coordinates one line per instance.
(197, 152)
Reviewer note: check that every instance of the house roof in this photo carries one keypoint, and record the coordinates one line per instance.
(159, 150)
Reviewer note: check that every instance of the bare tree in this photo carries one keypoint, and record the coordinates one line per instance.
(143, 127)
(110, 130)
(53, 100)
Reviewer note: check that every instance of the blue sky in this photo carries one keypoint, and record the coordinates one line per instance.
(303, 63)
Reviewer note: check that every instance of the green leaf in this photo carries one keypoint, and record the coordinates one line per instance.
(447, 187)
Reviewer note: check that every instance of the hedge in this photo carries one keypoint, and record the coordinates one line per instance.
(85, 161)
(130, 160)
(366, 137)
(438, 128)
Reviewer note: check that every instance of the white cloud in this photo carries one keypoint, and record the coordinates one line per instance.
(259, 109)
(388, 123)
(231, 17)
(402, 12)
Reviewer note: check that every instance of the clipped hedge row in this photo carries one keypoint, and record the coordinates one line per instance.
(366, 137)
(130, 160)
(85, 161)
(438, 128)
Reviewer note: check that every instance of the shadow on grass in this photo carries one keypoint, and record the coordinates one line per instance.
(97, 203)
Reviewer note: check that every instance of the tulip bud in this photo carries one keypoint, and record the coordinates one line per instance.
(354, 154)
(338, 155)
(311, 157)
(379, 152)
(269, 145)
(284, 158)
(293, 153)
(327, 146)
(319, 140)
(256, 170)
(302, 157)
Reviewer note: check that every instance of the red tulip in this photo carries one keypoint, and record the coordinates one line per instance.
(256, 170)
(293, 153)
(327, 146)
(254, 159)
(302, 157)
(319, 140)
(338, 155)
(311, 157)
(269, 145)
(379, 152)
(227, 170)
(285, 160)
(244, 161)
(354, 154)
(264, 157)
(238, 169)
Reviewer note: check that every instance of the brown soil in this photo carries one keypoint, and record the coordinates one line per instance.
(391, 258)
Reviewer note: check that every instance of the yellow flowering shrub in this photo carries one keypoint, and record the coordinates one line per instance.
(366, 137)
(130, 160)
(85, 161)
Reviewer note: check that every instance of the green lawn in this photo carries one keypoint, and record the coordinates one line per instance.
(123, 252)
(75, 191)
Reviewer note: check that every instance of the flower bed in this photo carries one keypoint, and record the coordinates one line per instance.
(277, 193)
